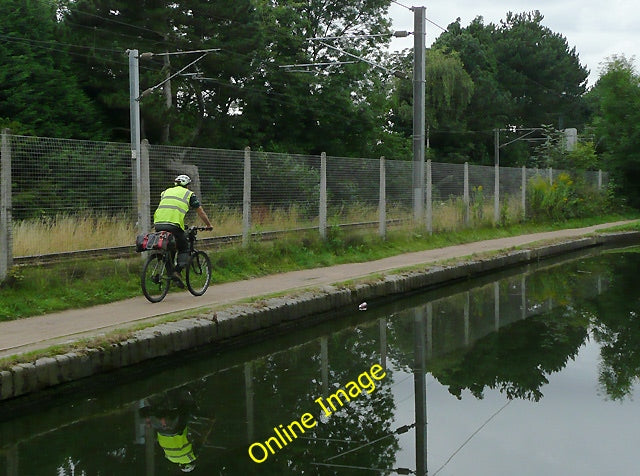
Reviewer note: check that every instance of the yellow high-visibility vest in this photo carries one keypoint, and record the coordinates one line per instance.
(177, 448)
(174, 205)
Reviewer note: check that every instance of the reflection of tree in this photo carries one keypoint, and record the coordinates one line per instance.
(367, 417)
(285, 385)
(515, 360)
(616, 326)
(469, 354)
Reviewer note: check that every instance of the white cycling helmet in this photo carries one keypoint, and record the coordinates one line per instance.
(183, 180)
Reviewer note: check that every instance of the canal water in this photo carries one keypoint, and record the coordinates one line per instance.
(531, 371)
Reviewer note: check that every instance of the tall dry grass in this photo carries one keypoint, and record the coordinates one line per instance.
(69, 233)
(66, 232)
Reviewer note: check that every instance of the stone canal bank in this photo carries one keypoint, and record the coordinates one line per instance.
(268, 316)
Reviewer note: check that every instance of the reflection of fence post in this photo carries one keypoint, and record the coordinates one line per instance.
(6, 242)
(246, 198)
(466, 194)
(428, 198)
(420, 390)
(324, 362)
(149, 450)
(467, 306)
(429, 330)
(523, 286)
(382, 202)
(524, 192)
(248, 389)
(496, 304)
(12, 461)
(322, 212)
(383, 343)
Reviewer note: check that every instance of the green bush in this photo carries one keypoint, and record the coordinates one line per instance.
(565, 198)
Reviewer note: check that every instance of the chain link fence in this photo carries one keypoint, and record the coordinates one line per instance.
(67, 195)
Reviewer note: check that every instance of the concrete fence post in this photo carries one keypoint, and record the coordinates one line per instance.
(246, 198)
(322, 211)
(429, 193)
(6, 241)
(550, 171)
(466, 194)
(145, 188)
(524, 192)
(382, 201)
(599, 180)
(496, 195)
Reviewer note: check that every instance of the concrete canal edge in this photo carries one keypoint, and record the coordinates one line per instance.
(247, 322)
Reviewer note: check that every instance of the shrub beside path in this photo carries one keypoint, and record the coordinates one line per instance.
(40, 332)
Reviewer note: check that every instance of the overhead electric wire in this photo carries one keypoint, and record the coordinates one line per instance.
(141, 28)
(471, 436)
(402, 5)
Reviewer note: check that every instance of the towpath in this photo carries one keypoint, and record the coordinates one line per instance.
(51, 329)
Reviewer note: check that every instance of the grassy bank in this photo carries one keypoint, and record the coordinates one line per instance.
(32, 291)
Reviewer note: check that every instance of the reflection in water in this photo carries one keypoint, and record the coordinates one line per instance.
(505, 350)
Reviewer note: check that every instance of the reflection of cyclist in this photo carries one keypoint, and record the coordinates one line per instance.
(174, 204)
(169, 415)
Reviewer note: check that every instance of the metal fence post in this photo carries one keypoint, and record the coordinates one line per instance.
(6, 242)
(382, 203)
(246, 198)
(466, 193)
(524, 192)
(429, 199)
(322, 211)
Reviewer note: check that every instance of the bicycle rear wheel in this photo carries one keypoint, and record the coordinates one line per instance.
(155, 278)
(198, 275)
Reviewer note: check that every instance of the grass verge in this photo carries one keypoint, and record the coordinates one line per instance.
(30, 291)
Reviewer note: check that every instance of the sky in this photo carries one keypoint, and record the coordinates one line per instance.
(596, 29)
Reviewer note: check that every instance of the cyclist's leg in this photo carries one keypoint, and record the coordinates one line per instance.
(182, 243)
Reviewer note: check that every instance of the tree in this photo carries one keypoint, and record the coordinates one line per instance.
(39, 93)
(448, 90)
(524, 74)
(543, 75)
(333, 109)
(157, 26)
(616, 102)
(240, 95)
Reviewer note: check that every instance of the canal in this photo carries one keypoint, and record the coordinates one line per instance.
(530, 371)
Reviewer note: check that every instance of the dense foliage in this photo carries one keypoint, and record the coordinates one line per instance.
(616, 100)
(65, 73)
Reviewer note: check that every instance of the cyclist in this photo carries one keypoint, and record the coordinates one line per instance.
(174, 204)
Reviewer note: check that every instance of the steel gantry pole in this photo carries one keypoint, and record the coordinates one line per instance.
(419, 54)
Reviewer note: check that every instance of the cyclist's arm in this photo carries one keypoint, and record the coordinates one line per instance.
(203, 215)
(194, 204)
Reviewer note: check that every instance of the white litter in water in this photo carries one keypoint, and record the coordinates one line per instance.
(362, 307)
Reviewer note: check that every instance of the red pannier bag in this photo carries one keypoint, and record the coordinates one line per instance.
(158, 240)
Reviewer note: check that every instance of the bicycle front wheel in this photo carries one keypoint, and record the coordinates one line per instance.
(198, 275)
(155, 278)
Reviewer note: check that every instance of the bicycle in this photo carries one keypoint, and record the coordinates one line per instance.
(157, 271)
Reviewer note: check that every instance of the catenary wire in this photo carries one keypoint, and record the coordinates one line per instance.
(471, 437)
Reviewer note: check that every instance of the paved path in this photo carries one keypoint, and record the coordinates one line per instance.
(47, 330)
